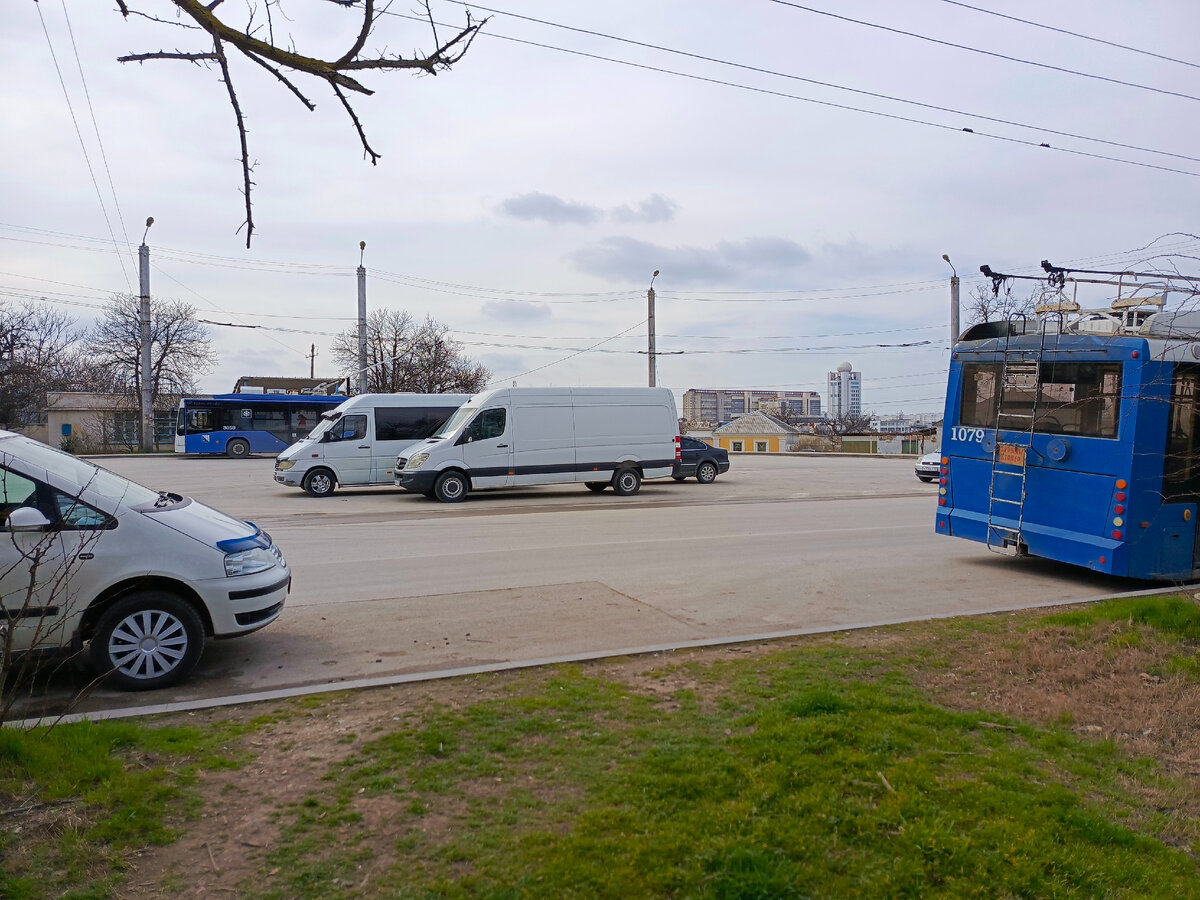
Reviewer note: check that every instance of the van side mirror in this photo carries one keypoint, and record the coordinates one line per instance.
(26, 518)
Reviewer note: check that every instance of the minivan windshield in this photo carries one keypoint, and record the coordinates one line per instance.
(79, 472)
(455, 422)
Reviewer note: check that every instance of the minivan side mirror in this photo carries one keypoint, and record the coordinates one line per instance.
(26, 518)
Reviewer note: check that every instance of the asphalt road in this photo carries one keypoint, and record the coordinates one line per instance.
(392, 585)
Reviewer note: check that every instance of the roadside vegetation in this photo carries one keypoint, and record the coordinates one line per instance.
(1024, 755)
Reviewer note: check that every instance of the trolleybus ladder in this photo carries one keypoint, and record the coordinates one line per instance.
(1019, 368)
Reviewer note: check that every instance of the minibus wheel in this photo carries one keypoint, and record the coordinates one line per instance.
(319, 483)
(147, 640)
(626, 482)
(451, 487)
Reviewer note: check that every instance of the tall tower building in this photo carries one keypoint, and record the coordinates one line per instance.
(845, 392)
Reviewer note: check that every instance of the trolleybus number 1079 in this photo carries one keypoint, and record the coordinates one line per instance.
(958, 433)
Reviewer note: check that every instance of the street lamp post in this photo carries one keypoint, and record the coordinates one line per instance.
(650, 331)
(953, 300)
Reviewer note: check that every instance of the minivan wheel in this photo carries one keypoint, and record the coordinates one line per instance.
(451, 487)
(596, 486)
(319, 483)
(706, 472)
(238, 448)
(147, 640)
(626, 482)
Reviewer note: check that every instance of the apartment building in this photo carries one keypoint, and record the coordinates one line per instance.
(711, 407)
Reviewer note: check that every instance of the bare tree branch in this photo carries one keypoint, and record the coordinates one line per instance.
(163, 54)
(282, 61)
(241, 125)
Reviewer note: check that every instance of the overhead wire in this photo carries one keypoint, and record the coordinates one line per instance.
(82, 144)
(831, 105)
(827, 84)
(1076, 34)
(991, 53)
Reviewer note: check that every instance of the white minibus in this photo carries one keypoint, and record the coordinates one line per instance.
(357, 442)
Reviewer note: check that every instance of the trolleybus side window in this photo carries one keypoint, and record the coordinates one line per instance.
(1181, 462)
(1071, 398)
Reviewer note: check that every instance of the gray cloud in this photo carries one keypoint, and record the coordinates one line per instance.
(536, 206)
(755, 261)
(655, 208)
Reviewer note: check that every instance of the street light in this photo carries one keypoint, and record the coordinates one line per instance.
(953, 300)
(650, 330)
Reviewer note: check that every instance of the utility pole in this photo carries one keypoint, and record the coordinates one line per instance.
(650, 331)
(362, 320)
(954, 332)
(312, 360)
(144, 337)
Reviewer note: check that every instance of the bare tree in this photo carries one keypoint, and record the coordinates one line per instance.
(986, 305)
(180, 348)
(404, 355)
(40, 351)
(210, 24)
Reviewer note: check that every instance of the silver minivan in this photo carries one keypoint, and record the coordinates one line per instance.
(141, 577)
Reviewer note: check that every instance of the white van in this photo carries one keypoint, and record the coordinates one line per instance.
(358, 441)
(523, 436)
(144, 576)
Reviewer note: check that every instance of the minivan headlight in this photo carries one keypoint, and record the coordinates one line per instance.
(248, 562)
(284, 464)
(417, 461)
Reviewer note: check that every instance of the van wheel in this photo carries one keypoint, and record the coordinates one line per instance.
(707, 472)
(451, 487)
(238, 448)
(626, 482)
(319, 483)
(146, 641)
(596, 486)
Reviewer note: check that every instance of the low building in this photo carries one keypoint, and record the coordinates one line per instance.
(756, 432)
(84, 422)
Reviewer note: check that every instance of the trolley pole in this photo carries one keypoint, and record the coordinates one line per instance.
(362, 320)
(954, 307)
(650, 331)
(144, 337)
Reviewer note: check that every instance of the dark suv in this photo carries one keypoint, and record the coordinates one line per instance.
(700, 459)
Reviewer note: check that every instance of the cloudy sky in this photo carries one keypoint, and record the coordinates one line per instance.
(795, 171)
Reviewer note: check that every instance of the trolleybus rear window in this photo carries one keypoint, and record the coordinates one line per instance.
(1080, 398)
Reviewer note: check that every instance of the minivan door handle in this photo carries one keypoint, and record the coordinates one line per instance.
(501, 445)
(364, 446)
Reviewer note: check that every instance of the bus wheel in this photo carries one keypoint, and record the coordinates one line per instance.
(319, 483)
(238, 449)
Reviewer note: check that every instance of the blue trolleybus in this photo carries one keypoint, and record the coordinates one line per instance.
(1074, 434)
(240, 424)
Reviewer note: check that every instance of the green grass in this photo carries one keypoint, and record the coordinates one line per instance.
(113, 786)
(818, 771)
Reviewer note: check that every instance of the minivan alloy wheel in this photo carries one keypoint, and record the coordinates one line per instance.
(147, 640)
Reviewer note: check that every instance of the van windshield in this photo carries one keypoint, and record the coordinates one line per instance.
(80, 473)
(455, 422)
(327, 420)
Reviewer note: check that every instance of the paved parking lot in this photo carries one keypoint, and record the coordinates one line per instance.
(391, 585)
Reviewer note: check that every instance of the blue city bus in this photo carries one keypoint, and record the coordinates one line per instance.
(240, 424)
(1074, 435)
